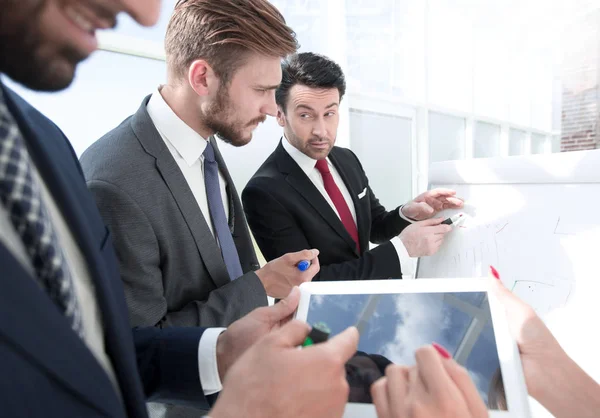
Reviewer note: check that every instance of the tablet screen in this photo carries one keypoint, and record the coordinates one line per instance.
(393, 326)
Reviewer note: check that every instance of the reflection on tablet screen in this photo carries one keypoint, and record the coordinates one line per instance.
(393, 326)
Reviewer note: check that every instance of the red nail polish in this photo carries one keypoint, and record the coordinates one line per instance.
(495, 272)
(443, 352)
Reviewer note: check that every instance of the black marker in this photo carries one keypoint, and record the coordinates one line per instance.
(454, 220)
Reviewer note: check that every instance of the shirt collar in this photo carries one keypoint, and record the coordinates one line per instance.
(189, 144)
(305, 163)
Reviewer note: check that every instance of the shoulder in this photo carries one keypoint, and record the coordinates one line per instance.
(118, 154)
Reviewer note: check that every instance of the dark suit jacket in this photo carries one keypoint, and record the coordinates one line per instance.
(45, 369)
(286, 212)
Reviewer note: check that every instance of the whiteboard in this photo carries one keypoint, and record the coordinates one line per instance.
(537, 220)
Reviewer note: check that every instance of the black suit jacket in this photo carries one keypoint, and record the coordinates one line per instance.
(45, 369)
(286, 212)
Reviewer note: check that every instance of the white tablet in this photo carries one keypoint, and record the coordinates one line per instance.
(395, 317)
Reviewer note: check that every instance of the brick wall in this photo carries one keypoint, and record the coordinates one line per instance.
(580, 76)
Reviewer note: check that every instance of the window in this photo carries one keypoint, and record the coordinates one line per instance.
(383, 145)
(516, 145)
(446, 137)
(486, 140)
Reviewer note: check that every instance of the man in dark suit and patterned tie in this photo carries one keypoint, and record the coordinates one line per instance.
(66, 348)
(311, 194)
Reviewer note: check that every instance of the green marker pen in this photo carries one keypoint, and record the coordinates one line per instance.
(318, 334)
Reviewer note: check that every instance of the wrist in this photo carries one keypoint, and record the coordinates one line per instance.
(563, 388)
(222, 358)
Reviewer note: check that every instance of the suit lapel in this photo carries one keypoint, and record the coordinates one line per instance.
(362, 217)
(49, 323)
(206, 245)
(305, 188)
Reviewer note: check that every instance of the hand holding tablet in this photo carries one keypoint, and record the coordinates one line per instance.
(395, 318)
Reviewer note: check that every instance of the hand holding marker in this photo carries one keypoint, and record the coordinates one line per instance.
(303, 265)
(454, 220)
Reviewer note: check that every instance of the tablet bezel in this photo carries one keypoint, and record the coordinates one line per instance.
(508, 353)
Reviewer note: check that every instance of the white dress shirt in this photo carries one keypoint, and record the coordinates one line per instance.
(307, 164)
(186, 147)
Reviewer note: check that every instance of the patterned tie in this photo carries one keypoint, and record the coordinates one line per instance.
(21, 197)
(338, 201)
(217, 214)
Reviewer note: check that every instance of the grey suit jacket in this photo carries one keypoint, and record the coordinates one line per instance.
(170, 263)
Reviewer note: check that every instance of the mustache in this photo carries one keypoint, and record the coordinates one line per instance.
(257, 120)
(318, 139)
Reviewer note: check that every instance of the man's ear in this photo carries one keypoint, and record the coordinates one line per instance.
(202, 78)
(280, 117)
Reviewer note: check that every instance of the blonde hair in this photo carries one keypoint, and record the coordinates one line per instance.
(223, 32)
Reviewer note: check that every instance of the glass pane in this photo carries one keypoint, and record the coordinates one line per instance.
(383, 145)
(393, 326)
(516, 144)
(486, 140)
(446, 137)
(556, 146)
(538, 144)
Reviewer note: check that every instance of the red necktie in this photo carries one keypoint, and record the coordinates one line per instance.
(338, 200)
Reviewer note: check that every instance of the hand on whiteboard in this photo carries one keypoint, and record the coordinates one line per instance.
(425, 237)
(431, 202)
(436, 387)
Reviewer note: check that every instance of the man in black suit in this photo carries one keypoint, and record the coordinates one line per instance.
(66, 348)
(311, 194)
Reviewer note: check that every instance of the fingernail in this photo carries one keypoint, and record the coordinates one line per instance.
(443, 352)
(494, 272)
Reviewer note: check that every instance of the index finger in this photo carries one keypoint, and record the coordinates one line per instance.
(432, 371)
(295, 258)
(463, 381)
(442, 192)
(291, 334)
(454, 203)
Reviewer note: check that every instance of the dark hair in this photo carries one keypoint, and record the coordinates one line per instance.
(311, 70)
(223, 32)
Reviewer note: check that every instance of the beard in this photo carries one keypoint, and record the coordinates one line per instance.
(25, 57)
(304, 146)
(220, 118)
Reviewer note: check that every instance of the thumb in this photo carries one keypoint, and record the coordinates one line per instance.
(431, 222)
(344, 344)
(292, 334)
(285, 307)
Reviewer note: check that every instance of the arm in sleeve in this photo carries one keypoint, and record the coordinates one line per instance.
(277, 233)
(167, 362)
(138, 254)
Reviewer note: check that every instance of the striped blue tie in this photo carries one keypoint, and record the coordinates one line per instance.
(217, 214)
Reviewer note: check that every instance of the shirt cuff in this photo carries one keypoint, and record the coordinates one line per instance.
(207, 361)
(404, 217)
(407, 263)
